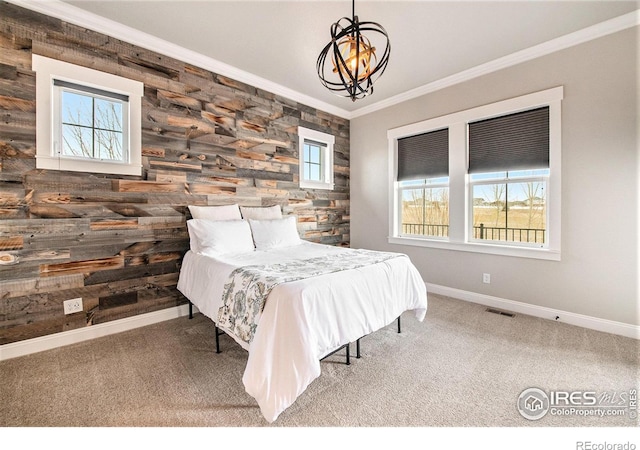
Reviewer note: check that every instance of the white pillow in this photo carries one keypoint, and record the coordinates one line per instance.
(225, 212)
(219, 237)
(261, 212)
(275, 233)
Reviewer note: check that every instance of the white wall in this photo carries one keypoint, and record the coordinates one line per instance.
(598, 274)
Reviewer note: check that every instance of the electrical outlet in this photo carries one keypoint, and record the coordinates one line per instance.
(486, 278)
(72, 306)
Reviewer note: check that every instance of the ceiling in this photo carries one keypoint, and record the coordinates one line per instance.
(278, 42)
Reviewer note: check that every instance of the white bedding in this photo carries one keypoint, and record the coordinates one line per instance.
(304, 320)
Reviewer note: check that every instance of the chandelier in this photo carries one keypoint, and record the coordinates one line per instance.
(355, 66)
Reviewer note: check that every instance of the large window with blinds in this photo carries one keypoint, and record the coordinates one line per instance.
(423, 184)
(508, 173)
(484, 180)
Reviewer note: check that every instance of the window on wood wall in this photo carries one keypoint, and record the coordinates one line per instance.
(87, 121)
(315, 150)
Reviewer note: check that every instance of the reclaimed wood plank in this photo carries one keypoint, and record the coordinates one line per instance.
(96, 249)
(167, 176)
(157, 221)
(110, 224)
(145, 186)
(51, 212)
(156, 152)
(130, 272)
(179, 99)
(195, 166)
(89, 266)
(209, 189)
(25, 286)
(11, 242)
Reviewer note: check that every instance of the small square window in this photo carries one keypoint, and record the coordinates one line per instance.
(316, 159)
(87, 121)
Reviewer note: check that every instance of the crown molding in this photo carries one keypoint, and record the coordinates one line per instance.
(569, 40)
(80, 17)
(77, 16)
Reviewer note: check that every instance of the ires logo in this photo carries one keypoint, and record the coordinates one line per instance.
(575, 398)
(534, 403)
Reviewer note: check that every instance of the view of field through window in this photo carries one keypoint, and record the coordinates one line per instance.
(509, 211)
(425, 211)
(520, 219)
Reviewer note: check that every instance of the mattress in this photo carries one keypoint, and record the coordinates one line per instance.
(304, 320)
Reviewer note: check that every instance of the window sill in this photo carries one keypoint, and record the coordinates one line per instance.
(316, 185)
(87, 166)
(491, 249)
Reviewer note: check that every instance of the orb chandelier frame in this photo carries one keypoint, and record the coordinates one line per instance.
(355, 66)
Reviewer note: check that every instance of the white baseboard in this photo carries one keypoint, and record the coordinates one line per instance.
(23, 348)
(39, 344)
(594, 323)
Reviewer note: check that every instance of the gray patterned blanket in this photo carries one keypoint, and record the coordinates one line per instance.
(245, 295)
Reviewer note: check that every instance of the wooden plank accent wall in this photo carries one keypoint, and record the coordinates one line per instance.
(118, 241)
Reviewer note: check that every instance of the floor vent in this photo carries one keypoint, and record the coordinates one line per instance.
(502, 313)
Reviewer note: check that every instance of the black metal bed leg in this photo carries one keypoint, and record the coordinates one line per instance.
(217, 338)
(348, 354)
(358, 348)
(190, 310)
(398, 324)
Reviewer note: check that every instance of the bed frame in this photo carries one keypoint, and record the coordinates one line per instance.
(347, 346)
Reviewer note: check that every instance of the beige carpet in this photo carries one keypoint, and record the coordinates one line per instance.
(461, 367)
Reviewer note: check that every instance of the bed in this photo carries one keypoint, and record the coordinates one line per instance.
(289, 302)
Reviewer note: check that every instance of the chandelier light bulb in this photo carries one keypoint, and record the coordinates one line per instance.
(356, 55)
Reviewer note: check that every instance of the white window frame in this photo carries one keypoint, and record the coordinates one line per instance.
(459, 198)
(48, 120)
(306, 134)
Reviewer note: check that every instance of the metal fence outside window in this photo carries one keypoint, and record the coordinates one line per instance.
(535, 235)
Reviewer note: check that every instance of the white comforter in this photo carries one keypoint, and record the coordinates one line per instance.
(307, 319)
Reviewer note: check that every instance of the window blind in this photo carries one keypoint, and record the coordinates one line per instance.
(424, 155)
(315, 143)
(512, 142)
(91, 90)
